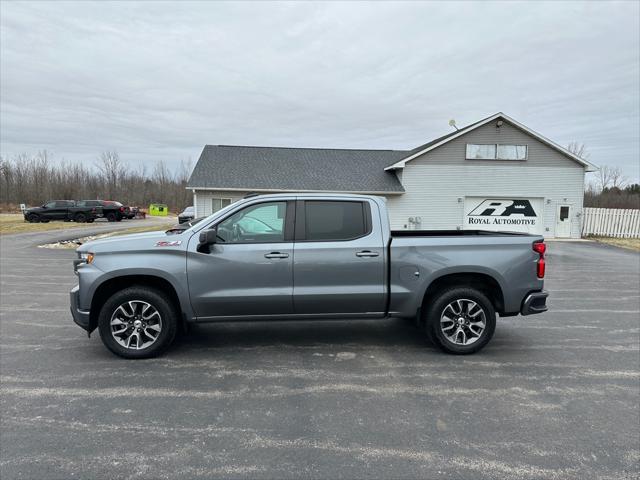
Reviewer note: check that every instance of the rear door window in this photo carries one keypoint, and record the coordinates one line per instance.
(335, 220)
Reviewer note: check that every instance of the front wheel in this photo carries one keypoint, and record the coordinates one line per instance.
(460, 320)
(137, 322)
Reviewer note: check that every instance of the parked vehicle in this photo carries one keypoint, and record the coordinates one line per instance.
(66, 210)
(181, 227)
(186, 215)
(112, 211)
(133, 212)
(297, 257)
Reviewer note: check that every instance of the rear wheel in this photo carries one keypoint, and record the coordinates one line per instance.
(111, 217)
(33, 218)
(80, 218)
(460, 320)
(137, 322)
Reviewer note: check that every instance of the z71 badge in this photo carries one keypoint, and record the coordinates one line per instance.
(164, 243)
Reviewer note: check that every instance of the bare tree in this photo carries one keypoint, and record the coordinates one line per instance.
(112, 170)
(579, 150)
(611, 177)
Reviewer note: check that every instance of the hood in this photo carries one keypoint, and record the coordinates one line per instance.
(136, 242)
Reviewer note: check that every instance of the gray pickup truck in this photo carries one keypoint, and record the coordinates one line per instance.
(305, 257)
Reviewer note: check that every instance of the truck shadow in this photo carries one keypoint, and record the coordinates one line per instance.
(388, 332)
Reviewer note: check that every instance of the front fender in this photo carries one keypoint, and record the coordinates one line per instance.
(106, 268)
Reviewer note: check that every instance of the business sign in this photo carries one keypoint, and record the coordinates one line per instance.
(506, 214)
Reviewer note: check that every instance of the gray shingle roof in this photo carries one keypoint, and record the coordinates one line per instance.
(268, 168)
(281, 168)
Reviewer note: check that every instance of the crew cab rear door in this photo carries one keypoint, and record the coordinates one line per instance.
(339, 258)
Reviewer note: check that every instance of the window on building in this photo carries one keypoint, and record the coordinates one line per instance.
(334, 220)
(481, 152)
(496, 152)
(219, 203)
(512, 152)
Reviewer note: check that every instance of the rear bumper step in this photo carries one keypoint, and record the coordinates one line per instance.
(535, 302)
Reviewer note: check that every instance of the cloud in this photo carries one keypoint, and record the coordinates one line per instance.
(159, 80)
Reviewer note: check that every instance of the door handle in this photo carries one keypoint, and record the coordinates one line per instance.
(276, 255)
(367, 253)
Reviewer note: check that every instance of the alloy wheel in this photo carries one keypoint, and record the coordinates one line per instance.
(136, 324)
(463, 321)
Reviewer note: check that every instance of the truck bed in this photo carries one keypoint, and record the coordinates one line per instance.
(418, 257)
(453, 233)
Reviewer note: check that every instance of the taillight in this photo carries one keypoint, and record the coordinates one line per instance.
(540, 248)
(540, 268)
(122, 209)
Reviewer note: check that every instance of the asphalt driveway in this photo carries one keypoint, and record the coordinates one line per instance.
(553, 396)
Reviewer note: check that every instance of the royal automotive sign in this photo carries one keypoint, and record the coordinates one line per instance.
(507, 214)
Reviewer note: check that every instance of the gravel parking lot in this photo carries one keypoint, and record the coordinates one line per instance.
(553, 396)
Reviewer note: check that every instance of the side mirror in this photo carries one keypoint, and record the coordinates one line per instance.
(209, 237)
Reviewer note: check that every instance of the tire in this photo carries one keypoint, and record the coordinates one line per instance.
(454, 320)
(33, 218)
(111, 217)
(119, 311)
(91, 220)
(80, 218)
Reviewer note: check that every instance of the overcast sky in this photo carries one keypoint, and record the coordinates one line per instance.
(157, 81)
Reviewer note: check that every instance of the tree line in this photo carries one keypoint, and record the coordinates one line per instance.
(610, 188)
(34, 179)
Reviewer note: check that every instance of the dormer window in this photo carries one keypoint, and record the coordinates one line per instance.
(496, 152)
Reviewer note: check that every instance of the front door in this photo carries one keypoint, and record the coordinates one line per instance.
(59, 210)
(563, 221)
(339, 262)
(249, 270)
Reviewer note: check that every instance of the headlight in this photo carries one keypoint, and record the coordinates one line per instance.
(87, 257)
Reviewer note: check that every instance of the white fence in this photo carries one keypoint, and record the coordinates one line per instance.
(611, 222)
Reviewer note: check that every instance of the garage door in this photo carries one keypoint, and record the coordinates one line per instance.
(505, 214)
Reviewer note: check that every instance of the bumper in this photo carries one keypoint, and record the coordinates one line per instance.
(81, 317)
(535, 302)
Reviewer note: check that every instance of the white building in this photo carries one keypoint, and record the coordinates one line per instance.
(495, 174)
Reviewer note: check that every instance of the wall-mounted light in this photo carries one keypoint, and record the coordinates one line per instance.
(548, 201)
(499, 123)
(459, 199)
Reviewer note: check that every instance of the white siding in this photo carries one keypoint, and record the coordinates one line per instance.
(432, 192)
(202, 200)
